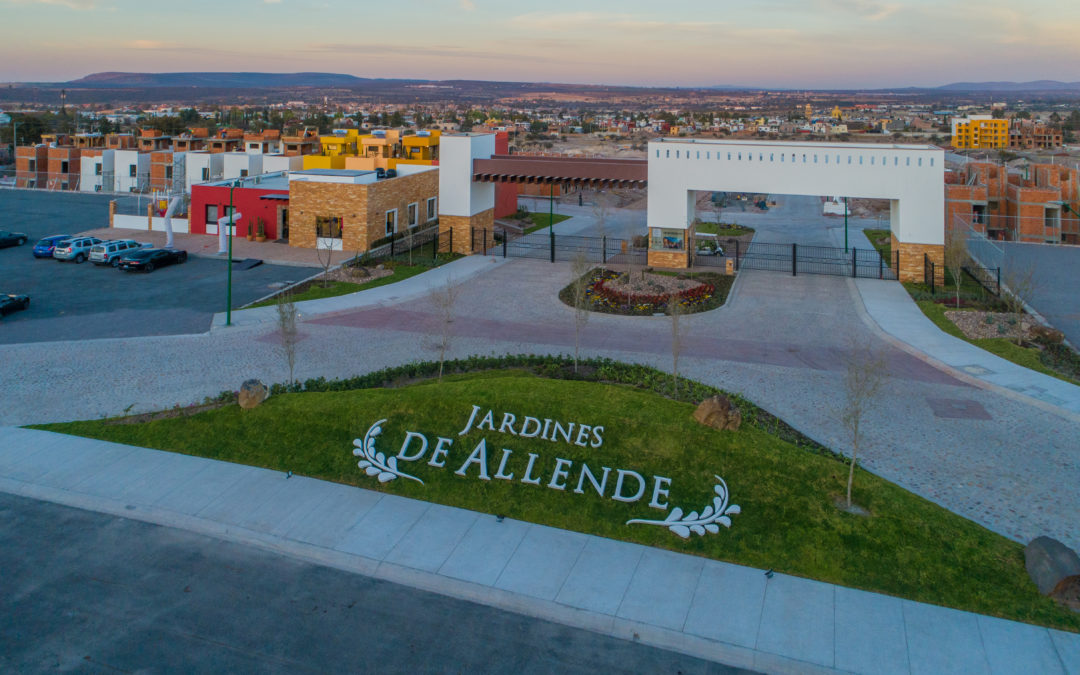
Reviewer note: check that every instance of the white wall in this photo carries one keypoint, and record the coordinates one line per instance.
(89, 179)
(458, 194)
(195, 162)
(274, 163)
(911, 174)
(140, 223)
(123, 160)
(235, 162)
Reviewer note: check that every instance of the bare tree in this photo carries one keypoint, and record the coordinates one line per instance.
(287, 332)
(579, 286)
(675, 311)
(956, 256)
(864, 374)
(443, 299)
(1019, 286)
(407, 239)
(324, 248)
(717, 209)
(601, 208)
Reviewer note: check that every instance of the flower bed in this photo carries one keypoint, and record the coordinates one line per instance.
(610, 291)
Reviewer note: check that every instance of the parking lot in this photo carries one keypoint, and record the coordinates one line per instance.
(73, 302)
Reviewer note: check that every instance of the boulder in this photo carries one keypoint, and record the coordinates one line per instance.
(719, 412)
(1054, 567)
(252, 393)
(1047, 334)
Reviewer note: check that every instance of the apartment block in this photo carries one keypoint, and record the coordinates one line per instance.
(31, 165)
(167, 171)
(299, 144)
(152, 140)
(202, 167)
(64, 168)
(97, 170)
(226, 140)
(1037, 205)
(132, 171)
(191, 140)
(980, 132)
(267, 142)
(1028, 135)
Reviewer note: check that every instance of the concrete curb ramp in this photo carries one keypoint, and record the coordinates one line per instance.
(704, 608)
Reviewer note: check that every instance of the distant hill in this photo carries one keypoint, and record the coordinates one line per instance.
(1036, 85)
(232, 80)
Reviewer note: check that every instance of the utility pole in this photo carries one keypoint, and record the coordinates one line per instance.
(228, 258)
(845, 224)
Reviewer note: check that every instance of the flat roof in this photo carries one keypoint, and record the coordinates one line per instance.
(813, 144)
(352, 173)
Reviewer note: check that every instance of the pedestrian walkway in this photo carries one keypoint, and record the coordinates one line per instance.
(414, 287)
(727, 613)
(890, 306)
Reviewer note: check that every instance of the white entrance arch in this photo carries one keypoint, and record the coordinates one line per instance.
(911, 177)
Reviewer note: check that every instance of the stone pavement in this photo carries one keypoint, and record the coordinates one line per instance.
(891, 308)
(709, 609)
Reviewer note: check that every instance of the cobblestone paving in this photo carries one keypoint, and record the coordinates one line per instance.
(780, 341)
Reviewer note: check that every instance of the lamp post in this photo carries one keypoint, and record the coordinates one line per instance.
(551, 211)
(845, 224)
(228, 257)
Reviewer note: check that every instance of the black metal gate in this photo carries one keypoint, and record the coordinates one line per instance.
(561, 247)
(795, 259)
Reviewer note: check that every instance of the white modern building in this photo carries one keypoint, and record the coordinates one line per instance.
(275, 163)
(98, 173)
(240, 165)
(202, 167)
(132, 170)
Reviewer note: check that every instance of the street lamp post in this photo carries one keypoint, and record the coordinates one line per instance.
(845, 224)
(228, 258)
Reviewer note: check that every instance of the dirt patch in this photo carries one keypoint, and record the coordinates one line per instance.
(356, 275)
(171, 413)
(977, 325)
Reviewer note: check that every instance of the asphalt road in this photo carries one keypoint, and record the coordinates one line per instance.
(1056, 274)
(76, 302)
(87, 592)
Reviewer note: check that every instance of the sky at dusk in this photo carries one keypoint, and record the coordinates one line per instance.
(767, 43)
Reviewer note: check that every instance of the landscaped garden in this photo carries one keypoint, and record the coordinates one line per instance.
(784, 485)
(986, 321)
(723, 229)
(646, 292)
(361, 276)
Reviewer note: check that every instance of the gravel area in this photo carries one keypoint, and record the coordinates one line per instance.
(978, 324)
(650, 284)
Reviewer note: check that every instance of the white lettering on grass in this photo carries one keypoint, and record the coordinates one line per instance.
(438, 455)
(560, 474)
(409, 436)
(619, 496)
(478, 456)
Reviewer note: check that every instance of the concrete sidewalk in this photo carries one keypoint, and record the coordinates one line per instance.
(414, 287)
(890, 306)
(719, 611)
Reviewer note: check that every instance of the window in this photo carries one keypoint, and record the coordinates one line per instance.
(676, 154)
(63, 167)
(658, 153)
(97, 169)
(411, 213)
(729, 155)
(740, 155)
(670, 240)
(771, 156)
(328, 227)
(931, 162)
(211, 213)
(391, 222)
(907, 161)
(815, 159)
(804, 159)
(32, 166)
(667, 154)
(133, 170)
(860, 159)
(920, 161)
(168, 172)
(431, 206)
(206, 173)
(697, 154)
(243, 173)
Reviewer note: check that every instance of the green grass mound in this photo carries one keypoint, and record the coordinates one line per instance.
(907, 546)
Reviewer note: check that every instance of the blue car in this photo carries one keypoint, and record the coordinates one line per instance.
(45, 247)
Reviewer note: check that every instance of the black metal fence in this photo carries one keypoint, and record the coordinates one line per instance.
(988, 277)
(423, 244)
(558, 247)
(864, 263)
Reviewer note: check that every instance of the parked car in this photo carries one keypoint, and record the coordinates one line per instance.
(76, 248)
(110, 252)
(148, 259)
(13, 303)
(45, 247)
(11, 238)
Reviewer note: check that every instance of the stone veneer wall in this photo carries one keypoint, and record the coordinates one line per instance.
(465, 242)
(669, 259)
(362, 207)
(912, 263)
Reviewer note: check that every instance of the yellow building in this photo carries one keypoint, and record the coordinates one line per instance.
(980, 132)
(836, 114)
(381, 149)
(423, 146)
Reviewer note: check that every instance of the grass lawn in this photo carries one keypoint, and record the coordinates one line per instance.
(715, 228)
(541, 221)
(315, 290)
(1028, 357)
(884, 249)
(908, 547)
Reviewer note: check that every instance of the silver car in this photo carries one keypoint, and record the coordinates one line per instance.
(109, 252)
(76, 248)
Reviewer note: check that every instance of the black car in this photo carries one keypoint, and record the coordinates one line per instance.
(150, 258)
(13, 303)
(11, 238)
